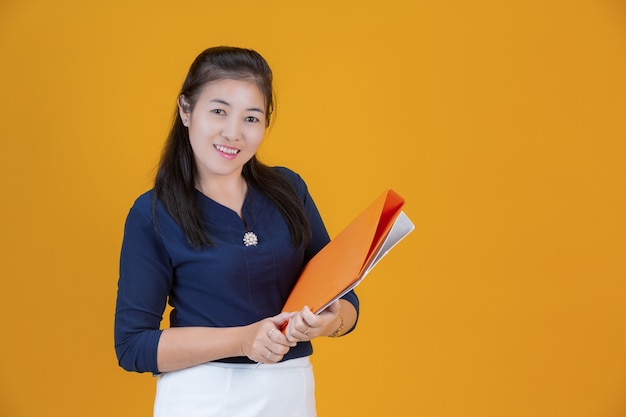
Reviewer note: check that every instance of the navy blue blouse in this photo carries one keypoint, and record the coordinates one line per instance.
(228, 284)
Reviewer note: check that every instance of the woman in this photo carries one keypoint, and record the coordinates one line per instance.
(223, 238)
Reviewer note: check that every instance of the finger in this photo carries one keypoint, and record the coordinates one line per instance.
(269, 334)
(308, 321)
(289, 335)
(302, 325)
(334, 307)
(268, 357)
(291, 332)
(277, 337)
(282, 318)
(309, 317)
(274, 353)
(299, 329)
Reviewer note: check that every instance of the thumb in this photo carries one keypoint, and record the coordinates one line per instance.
(335, 307)
(282, 318)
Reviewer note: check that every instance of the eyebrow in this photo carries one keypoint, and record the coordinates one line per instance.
(219, 100)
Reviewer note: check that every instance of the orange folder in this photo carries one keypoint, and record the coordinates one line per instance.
(343, 263)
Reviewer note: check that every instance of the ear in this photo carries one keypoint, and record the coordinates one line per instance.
(184, 109)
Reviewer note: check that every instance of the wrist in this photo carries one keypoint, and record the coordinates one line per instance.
(339, 330)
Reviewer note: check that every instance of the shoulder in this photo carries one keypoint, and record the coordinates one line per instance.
(294, 178)
(144, 201)
(292, 175)
(142, 206)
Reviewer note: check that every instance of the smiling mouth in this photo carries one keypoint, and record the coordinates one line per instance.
(224, 149)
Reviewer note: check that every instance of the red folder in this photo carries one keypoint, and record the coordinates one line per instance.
(346, 259)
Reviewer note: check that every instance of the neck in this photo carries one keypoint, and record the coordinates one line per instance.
(229, 192)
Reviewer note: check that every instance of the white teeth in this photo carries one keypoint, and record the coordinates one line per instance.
(226, 150)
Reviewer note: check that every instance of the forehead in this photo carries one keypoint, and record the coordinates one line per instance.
(236, 90)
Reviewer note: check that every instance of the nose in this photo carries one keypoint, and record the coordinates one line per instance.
(232, 130)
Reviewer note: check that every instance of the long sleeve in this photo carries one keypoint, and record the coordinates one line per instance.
(144, 283)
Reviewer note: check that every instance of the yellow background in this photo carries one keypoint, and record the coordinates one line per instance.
(501, 122)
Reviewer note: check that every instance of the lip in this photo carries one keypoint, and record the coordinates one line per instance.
(227, 152)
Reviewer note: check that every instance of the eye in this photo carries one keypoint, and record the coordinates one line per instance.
(252, 119)
(218, 111)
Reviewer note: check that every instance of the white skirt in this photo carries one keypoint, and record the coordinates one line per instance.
(221, 389)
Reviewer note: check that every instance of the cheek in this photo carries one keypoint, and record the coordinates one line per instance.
(257, 137)
(193, 140)
(199, 132)
(198, 144)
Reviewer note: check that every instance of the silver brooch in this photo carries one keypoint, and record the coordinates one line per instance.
(250, 239)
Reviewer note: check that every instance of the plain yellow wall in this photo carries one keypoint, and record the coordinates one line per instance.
(501, 122)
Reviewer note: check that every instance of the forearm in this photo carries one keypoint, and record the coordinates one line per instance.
(182, 347)
(346, 318)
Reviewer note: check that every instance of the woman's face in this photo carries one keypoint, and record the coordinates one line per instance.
(226, 127)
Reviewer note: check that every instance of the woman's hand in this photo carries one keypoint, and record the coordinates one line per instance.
(305, 325)
(263, 342)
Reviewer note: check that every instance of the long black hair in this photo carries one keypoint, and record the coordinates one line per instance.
(175, 183)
